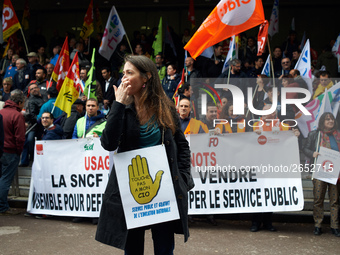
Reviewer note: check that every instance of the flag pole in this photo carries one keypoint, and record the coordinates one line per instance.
(127, 38)
(317, 149)
(257, 85)
(271, 61)
(23, 37)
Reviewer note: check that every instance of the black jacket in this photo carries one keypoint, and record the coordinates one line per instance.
(311, 143)
(110, 93)
(122, 131)
(34, 105)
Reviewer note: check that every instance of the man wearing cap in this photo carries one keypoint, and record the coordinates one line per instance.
(77, 111)
(33, 63)
(52, 94)
(23, 76)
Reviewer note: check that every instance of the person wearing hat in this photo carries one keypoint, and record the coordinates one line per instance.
(77, 111)
(52, 94)
(33, 63)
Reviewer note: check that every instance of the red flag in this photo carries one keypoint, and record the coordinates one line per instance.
(62, 65)
(191, 13)
(10, 22)
(262, 38)
(181, 82)
(227, 19)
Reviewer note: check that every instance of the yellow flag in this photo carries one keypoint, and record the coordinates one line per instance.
(88, 23)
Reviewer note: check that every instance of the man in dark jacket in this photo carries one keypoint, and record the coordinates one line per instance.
(14, 130)
(51, 131)
(69, 123)
(35, 100)
(23, 76)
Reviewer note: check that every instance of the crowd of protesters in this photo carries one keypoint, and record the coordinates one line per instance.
(31, 73)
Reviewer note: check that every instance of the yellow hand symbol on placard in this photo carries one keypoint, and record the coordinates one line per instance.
(142, 187)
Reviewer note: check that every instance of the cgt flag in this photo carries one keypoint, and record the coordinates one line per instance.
(88, 29)
(62, 65)
(10, 22)
(227, 19)
(69, 92)
(113, 34)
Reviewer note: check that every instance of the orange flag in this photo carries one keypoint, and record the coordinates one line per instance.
(10, 22)
(62, 65)
(262, 38)
(229, 17)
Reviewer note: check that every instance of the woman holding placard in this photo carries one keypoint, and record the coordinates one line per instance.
(325, 136)
(142, 116)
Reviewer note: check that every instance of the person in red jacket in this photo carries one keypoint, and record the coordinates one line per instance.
(14, 130)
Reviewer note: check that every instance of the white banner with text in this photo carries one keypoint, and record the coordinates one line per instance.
(245, 172)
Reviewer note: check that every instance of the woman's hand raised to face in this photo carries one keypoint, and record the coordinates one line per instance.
(121, 93)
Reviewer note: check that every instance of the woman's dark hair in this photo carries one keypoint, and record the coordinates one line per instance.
(225, 110)
(153, 97)
(321, 125)
(185, 87)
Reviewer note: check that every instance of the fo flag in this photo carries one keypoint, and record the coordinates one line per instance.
(113, 34)
(262, 38)
(10, 22)
(304, 65)
(227, 19)
(266, 67)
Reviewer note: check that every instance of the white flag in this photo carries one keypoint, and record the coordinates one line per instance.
(113, 34)
(274, 19)
(266, 67)
(325, 107)
(304, 66)
(231, 53)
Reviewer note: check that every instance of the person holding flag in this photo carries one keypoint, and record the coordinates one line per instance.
(325, 136)
(171, 81)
